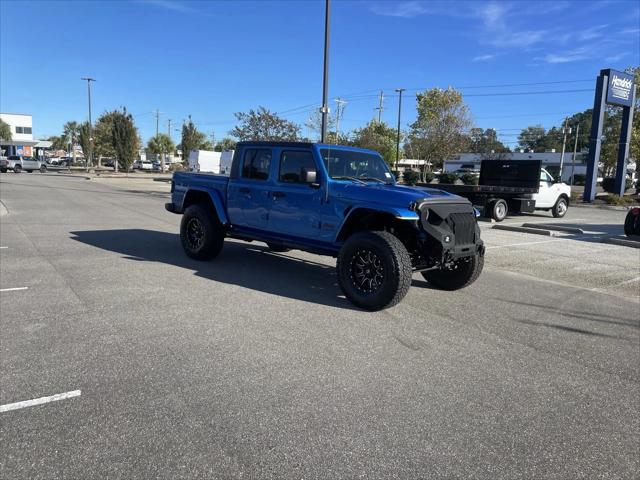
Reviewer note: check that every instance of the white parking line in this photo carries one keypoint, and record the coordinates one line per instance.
(13, 289)
(3, 248)
(39, 401)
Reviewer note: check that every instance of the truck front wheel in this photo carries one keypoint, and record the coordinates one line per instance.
(462, 273)
(374, 270)
(497, 210)
(560, 208)
(201, 234)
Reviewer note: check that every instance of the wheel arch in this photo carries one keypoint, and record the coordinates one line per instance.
(210, 198)
(360, 219)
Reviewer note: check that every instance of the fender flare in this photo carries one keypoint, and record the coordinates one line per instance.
(397, 213)
(216, 200)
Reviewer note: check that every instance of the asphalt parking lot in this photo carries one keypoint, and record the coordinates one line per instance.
(255, 366)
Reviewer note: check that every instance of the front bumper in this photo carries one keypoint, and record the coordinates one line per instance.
(452, 230)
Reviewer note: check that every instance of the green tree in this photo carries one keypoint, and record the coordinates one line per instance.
(225, 144)
(261, 124)
(71, 130)
(532, 137)
(634, 146)
(192, 139)
(84, 139)
(5, 131)
(58, 142)
(486, 143)
(379, 137)
(125, 140)
(438, 132)
(161, 145)
(103, 136)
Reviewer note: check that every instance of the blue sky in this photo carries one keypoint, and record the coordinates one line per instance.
(211, 59)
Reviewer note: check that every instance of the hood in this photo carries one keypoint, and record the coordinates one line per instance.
(391, 195)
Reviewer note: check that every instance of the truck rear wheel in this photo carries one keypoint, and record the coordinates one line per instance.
(201, 234)
(497, 210)
(462, 274)
(374, 270)
(560, 208)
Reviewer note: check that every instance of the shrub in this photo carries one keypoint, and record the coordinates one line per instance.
(612, 199)
(469, 179)
(608, 184)
(411, 177)
(428, 177)
(446, 177)
(579, 179)
(176, 167)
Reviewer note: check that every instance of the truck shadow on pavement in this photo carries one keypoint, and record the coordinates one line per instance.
(249, 265)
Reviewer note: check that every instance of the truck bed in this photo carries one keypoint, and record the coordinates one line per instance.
(484, 189)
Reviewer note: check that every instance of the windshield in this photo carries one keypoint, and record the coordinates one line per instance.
(352, 165)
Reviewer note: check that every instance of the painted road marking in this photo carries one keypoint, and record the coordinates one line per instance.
(13, 289)
(39, 401)
(3, 247)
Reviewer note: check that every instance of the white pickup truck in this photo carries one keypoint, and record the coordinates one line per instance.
(18, 163)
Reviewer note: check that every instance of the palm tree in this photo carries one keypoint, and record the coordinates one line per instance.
(71, 130)
(161, 145)
(5, 131)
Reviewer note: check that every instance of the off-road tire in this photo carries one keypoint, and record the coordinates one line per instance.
(497, 209)
(202, 235)
(277, 248)
(466, 271)
(632, 224)
(559, 210)
(392, 260)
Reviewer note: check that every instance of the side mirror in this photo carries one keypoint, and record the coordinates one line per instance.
(309, 175)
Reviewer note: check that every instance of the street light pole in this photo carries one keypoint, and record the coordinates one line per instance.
(90, 159)
(399, 90)
(575, 149)
(565, 130)
(325, 81)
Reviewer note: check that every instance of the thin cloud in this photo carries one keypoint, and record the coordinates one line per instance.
(566, 57)
(173, 5)
(484, 58)
(400, 9)
(615, 58)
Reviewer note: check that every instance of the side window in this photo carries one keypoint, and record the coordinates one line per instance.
(293, 165)
(19, 130)
(27, 129)
(544, 177)
(256, 164)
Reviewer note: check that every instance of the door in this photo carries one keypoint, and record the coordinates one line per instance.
(29, 163)
(548, 191)
(296, 203)
(248, 195)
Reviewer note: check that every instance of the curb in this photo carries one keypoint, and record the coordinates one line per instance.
(604, 207)
(623, 242)
(535, 231)
(551, 226)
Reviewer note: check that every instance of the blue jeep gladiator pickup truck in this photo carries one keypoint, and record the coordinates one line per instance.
(338, 201)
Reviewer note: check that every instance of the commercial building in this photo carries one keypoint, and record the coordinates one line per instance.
(22, 142)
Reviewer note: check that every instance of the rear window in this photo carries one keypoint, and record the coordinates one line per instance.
(256, 164)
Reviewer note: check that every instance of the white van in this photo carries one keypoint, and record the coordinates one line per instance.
(204, 161)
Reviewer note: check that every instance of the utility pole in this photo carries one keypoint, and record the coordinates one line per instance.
(325, 80)
(575, 149)
(213, 140)
(90, 159)
(339, 111)
(565, 130)
(169, 127)
(380, 108)
(399, 90)
(157, 121)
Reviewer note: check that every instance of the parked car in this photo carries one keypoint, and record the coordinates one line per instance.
(337, 201)
(18, 163)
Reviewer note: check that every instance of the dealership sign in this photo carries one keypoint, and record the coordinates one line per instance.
(620, 88)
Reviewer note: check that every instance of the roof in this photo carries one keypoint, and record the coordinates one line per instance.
(259, 143)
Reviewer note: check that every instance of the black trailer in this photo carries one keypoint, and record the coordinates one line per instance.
(504, 186)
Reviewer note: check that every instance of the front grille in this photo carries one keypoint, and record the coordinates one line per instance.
(463, 226)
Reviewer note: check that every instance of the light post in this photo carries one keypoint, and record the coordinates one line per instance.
(325, 81)
(399, 90)
(565, 130)
(90, 159)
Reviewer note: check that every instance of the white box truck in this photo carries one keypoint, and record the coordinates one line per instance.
(204, 161)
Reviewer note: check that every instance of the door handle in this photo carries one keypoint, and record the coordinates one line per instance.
(278, 194)
(244, 190)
